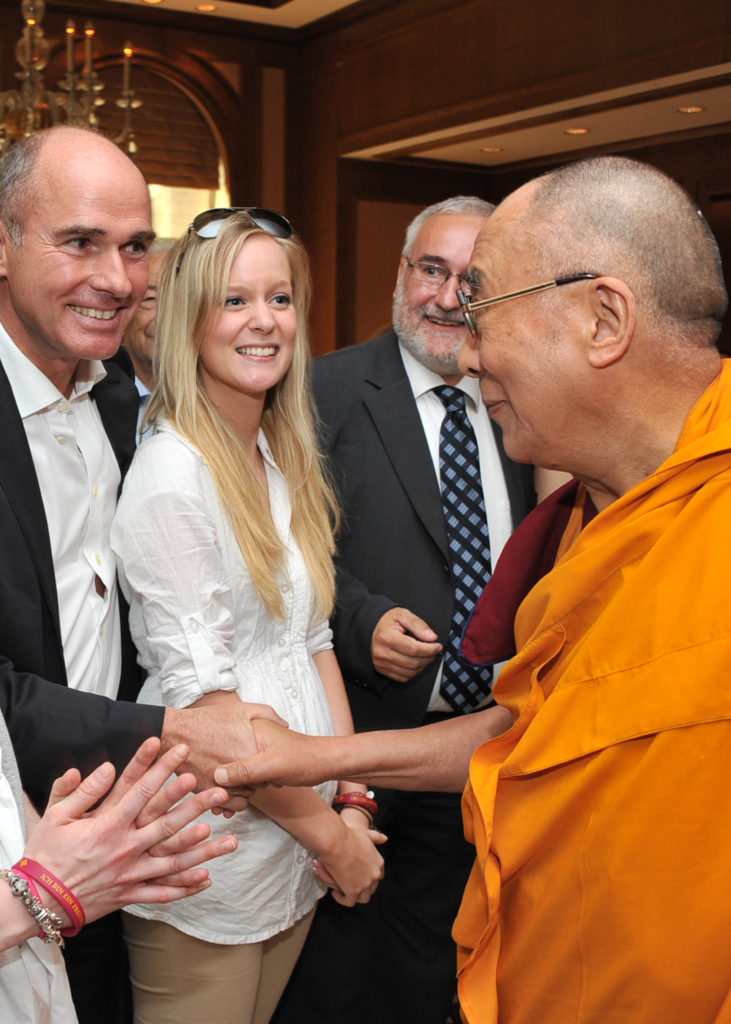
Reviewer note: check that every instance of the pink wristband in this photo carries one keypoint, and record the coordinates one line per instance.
(32, 870)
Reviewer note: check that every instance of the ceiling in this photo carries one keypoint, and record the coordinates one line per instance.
(645, 111)
(283, 13)
(668, 108)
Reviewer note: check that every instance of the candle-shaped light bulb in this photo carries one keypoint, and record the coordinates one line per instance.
(127, 59)
(70, 31)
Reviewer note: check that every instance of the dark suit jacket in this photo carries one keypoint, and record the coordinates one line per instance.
(392, 548)
(51, 726)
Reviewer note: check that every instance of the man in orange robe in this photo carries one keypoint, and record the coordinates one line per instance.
(601, 817)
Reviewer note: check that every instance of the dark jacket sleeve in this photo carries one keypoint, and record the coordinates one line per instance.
(54, 728)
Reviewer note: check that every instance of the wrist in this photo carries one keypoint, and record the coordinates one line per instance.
(46, 920)
(72, 916)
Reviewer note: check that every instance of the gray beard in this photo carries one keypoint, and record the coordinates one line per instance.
(411, 338)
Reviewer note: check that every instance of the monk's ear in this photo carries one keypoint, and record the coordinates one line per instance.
(6, 244)
(614, 313)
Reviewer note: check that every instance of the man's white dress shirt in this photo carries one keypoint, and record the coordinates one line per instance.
(79, 478)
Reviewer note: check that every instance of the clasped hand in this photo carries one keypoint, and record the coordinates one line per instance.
(138, 844)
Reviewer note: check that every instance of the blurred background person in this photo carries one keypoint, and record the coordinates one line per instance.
(139, 338)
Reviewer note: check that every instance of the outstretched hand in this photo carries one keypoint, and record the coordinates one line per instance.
(138, 844)
(284, 758)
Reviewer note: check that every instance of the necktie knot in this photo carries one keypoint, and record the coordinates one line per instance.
(451, 398)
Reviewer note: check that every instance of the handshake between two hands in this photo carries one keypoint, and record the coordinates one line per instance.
(136, 840)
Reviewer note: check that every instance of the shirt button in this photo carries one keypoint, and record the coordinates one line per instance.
(101, 631)
(282, 642)
(295, 695)
(285, 589)
(194, 627)
(98, 559)
(61, 439)
(96, 491)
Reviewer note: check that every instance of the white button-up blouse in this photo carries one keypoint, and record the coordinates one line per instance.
(200, 625)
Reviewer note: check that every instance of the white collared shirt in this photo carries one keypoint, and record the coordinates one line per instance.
(200, 625)
(79, 478)
(432, 412)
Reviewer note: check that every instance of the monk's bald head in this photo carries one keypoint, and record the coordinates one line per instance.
(619, 217)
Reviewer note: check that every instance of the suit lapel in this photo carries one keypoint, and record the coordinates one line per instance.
(20, 484)
(392, 408)
(117, 401)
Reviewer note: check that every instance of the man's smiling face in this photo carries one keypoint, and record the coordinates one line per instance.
(72, 285)
(427, 319)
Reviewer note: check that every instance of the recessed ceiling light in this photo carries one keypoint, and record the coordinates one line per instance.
(690, 109)
(492, 149)
(576, 131)
(151, 1)
(205, 8)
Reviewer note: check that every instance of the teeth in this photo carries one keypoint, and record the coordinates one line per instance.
(445, 323)
(96, 314)
(257, 350)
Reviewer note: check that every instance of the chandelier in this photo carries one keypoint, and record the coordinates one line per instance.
(75, 101)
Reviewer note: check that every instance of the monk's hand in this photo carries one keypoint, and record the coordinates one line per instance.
(284, 758)
(403, 645)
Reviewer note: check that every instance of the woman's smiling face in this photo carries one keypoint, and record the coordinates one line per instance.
(250, 346)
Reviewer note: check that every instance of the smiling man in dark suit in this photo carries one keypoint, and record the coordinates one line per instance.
(402, 600)
(74, 234)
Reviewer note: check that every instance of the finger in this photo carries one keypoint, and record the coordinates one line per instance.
(149, 783)
(342, 899)
(181, 840)
(167, 825)
(220, 846)
(321, 872)
(235, 803)
(151, 868)
(64, 786)
(88, 792)
(178, 788)
(239, 774)
(254, 711)
(416, 626)
(143, 758)
(154, 893)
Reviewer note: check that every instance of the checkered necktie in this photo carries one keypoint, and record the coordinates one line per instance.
(463, 685)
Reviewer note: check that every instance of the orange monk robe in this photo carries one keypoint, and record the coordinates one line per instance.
(601, 892)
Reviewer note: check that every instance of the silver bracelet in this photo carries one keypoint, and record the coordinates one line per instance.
(49, 923)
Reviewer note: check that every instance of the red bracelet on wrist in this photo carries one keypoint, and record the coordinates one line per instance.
(362, 801)
(63, 895)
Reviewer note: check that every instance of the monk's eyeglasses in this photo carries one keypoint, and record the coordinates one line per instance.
(210, 222)
(468, 306)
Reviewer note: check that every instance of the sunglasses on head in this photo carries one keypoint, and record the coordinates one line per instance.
(210, 222)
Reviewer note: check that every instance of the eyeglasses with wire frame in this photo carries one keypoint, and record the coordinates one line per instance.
(210, 222)
(433, 275)
(468, 306)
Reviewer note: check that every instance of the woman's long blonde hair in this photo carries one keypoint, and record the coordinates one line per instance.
(191, 295)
